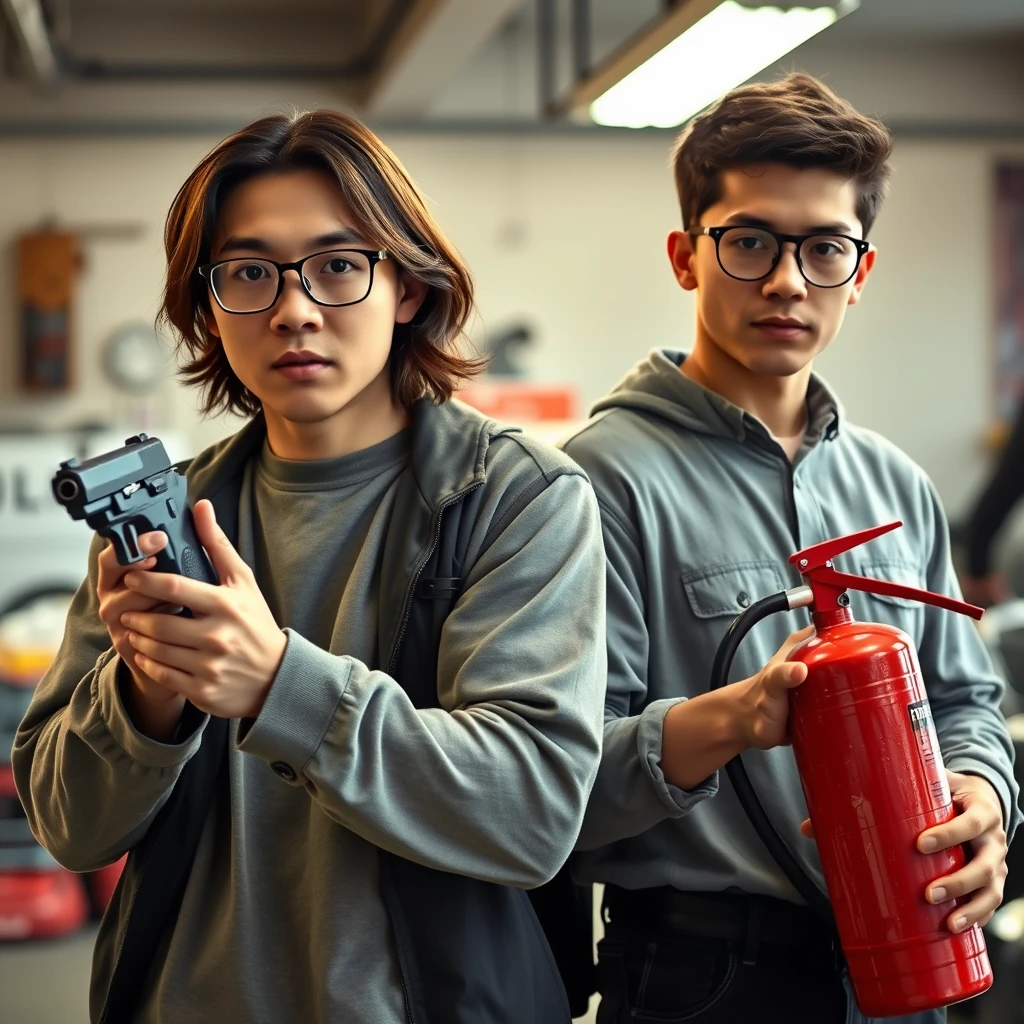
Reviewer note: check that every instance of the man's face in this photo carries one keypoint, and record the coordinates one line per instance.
(774, 326)
(304, 361)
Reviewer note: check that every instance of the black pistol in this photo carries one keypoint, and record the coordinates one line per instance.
(131, 491)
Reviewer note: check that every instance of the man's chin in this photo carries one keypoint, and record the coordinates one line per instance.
(311, 408)
(776, 359)
(777, 365)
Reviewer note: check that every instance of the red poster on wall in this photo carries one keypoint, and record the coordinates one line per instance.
(48, 265)
(515, 401)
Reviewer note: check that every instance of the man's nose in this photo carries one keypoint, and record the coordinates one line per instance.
(786, 280)
(295, 310)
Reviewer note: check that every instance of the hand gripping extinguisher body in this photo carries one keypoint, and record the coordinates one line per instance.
(873, 778)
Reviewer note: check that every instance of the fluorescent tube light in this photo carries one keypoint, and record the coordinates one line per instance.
(721, 51)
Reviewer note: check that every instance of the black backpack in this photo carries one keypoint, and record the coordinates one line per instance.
(550, 928)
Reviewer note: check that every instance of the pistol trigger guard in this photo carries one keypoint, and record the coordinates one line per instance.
(120, 543)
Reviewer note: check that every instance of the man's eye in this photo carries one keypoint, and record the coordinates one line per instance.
(251, 272)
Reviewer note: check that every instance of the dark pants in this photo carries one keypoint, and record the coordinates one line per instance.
(647, 979)
(764, 962)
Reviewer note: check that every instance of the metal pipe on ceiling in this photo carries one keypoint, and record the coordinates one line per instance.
(546, 31)
(29, 26)
(580, 38)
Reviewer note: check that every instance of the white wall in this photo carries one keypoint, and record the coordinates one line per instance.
(568, 233)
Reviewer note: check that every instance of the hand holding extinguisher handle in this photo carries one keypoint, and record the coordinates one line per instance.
(800, 880)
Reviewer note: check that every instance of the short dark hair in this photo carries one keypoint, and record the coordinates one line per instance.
(390, 213)
(796, 120)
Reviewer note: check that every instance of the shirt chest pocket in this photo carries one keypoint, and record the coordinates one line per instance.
(896, 611)
(719, 590)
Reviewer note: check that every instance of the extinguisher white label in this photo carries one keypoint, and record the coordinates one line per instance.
(920, 714)
(928, 744)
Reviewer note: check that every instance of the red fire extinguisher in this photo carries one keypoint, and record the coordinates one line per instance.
(873, 778)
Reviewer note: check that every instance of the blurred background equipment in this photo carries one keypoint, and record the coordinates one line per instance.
(38, 898)
(48, 264)
(135, 358)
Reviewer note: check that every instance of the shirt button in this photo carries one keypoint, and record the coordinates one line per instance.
(285, 771)
(743, 599)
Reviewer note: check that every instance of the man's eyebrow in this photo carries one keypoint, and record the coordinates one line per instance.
(239, 242)
(250, 243)
(346, 236)
(749, 221)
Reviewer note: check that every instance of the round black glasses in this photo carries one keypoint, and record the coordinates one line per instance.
(337, 277)
(750, 254)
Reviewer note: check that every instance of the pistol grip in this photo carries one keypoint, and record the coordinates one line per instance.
(185, 556)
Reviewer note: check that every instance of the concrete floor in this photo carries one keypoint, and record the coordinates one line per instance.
(46, 982)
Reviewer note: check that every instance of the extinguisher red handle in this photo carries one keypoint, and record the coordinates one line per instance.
(819, 555)
(815, 565)
(848, 581)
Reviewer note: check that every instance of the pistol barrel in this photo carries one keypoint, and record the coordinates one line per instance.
(80, 483)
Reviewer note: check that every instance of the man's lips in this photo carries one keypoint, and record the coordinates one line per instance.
(302, 366)
(781, 321)
(781, 328)
(302, 358)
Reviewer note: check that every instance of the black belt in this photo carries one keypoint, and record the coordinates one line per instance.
(736, 917)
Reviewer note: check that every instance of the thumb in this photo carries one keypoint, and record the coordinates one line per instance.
(791, 643)
(781, 676)
(807, 829)
(226, 560)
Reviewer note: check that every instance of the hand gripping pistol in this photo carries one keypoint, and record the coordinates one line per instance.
(131, 491)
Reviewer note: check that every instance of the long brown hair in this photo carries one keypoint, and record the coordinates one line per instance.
(796, 120)
(389, 211)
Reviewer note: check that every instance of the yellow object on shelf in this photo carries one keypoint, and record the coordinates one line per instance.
(23, 667)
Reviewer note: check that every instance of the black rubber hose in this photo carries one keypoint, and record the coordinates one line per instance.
(801, 881)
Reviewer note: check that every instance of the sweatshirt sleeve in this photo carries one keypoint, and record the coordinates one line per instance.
(89, 781)
(964, 690)
(493, 783)
(631, 793)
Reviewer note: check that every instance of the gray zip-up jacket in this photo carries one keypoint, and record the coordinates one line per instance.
(701, 510)
(490, 784)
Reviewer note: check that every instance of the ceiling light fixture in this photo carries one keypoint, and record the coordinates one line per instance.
(722, 46)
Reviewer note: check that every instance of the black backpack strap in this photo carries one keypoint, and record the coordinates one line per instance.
(565, 911)
(160, 865)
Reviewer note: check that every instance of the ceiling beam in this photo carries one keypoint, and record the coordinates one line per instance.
(29, 28)
(434, 43)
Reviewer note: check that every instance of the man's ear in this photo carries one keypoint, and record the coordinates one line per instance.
(681, 254)
(211, 324)
(867, 264)
(411, 294)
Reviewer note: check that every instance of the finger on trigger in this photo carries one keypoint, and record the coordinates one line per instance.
(153, 541)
